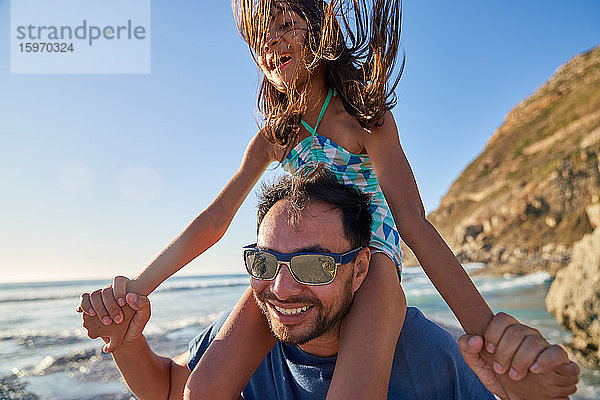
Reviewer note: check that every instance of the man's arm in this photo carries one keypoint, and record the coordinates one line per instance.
(147, 375)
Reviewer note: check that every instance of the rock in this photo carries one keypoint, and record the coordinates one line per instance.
(473, 231)
(549, 248)
(574, 297)
(537, 207)
(487, 226)
(593, 212)
(550, 221)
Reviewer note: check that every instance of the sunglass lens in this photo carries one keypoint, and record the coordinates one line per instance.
(261, 265)
(313, 268)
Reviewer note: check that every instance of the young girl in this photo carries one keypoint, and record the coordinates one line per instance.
(326, 96)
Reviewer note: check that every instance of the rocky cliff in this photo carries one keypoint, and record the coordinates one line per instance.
(521, 205)
(574, 297)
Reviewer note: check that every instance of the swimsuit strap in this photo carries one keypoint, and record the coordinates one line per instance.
(325, 104)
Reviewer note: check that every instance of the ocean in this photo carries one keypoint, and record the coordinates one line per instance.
(45, 353)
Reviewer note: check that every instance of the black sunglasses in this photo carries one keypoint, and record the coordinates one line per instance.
(309, 268)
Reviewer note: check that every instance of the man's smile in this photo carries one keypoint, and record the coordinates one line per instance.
(288, 315)
(291, 311)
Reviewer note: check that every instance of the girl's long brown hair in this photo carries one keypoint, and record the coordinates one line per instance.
(358, 40)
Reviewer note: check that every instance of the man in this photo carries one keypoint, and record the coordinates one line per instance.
(311, 256)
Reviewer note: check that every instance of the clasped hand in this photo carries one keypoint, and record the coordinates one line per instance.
(520, 363)
(114, 315)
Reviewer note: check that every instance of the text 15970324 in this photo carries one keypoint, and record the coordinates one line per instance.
(46, 47)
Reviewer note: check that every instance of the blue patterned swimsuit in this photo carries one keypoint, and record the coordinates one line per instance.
(351, 169)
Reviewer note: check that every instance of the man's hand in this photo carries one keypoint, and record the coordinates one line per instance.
(471, 347)
(136, 315)
(517, 350)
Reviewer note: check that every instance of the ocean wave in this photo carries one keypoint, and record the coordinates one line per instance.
(484, 285)
(494, 285)
(34, 338)
(34, 297)
(51, 364)
(83, 362)
(205, 284)
(169, 287)
(418, 270)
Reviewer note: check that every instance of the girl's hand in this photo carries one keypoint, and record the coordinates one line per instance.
(119, 287)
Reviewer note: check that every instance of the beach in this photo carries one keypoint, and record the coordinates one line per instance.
(46, 355)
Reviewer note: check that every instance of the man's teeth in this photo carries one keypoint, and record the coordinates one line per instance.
(291, 311)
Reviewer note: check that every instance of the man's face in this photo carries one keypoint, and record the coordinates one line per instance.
(299, 313)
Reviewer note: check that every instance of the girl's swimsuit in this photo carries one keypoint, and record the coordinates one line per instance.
(351, 169)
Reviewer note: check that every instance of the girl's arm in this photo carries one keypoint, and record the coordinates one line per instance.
(227, 365)
(208, 227)
(400, 189)
(369, 335)
(445, 271)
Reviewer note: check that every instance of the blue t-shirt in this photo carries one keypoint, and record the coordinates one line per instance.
(427, 365)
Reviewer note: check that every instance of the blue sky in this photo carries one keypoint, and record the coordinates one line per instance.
(100, 172)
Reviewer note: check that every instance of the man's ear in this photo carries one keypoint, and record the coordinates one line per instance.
(361, 267)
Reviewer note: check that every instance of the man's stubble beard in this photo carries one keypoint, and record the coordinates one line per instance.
(324, 321)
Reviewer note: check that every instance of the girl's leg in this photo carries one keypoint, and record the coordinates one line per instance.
(238, 349)
(369, 335)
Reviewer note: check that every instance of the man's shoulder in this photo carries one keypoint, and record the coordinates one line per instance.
(423, 342)
(200, 343)
(428, 363)
(418, 328)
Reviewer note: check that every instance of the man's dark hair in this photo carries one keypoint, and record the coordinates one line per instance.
(318, 184)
